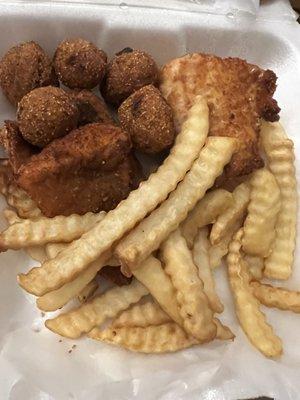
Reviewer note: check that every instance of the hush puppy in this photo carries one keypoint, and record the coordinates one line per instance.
(127, 72)
(91, 108)
(45, 114)
(148, 119)
(79, 64)
(23, 68)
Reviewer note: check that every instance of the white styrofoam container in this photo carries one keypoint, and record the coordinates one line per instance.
(33, 363)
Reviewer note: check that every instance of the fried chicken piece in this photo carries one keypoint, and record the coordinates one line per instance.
(238, 95)
(90, 169)
(19, 151)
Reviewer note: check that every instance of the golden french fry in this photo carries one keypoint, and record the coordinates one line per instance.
(255, 266)
(251, 318)
(141, 315)
(52, 249)
(151, 232)
(88, 291)
(19, 199)
(81, 320)
(280, 155)
(130, 211)
(58, 298)
(201, 260)
(11, 216)
(277, 297)
(37, 253)
(168, 337)
(205, 212)
(44, 230)
(223, 332)
(192, 301)
(263, 209)
(225, 221)
(152, 275)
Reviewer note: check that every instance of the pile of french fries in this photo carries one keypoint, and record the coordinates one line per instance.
(170, 234)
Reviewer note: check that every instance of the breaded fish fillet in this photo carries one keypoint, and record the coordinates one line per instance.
(238, 95)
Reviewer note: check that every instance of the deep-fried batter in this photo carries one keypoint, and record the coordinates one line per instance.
(238, 94)
(19, 151)
(87, 170)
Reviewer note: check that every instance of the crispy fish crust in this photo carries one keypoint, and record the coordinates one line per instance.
(87, 170)
(238, 95)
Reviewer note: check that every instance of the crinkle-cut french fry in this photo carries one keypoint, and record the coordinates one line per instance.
(218, 251)
(52, 249)
(278, 297)
(159, 284)
(151, 232)
(37, 253)
(263, 208)
(201, 260)
(255, 266)
(11, 216)
(280, 154)
(19, 199)
(223, 224)
(193, 303)
(88, 291)
(58, 298)
(205, 212)
(168, 337)
(223, 332)
(42, 230)
(141, 315)
(81, 320)
(251, 318)
(128, 213)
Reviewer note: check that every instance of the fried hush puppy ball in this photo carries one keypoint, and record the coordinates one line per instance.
(127, 72)
(24, 68)
(148, 119)
(91, 108)
(45, 114)
(79, 64)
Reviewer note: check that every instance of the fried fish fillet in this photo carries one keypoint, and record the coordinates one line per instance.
(90, 169)
(238, 95)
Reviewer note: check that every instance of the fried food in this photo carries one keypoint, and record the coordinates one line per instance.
(19, 199)
(205, 213)
(120, 220)
(225, 221)
(150, 233)
(251, 318)
(265, 203)
(255, 266)
(93, 313)
(192, 301)
(45, 114)
(88, 291)
(154, 278)
(79, 63)
(168, 337)
(277, 297)
(238, 95)
(87, 170)
(19, 151)
(148, 119)
(202, 262)
(37, 253)
(280, 155)
(42, 230)
(6, 175)
(23, 68)
(114, 275)
(127, 72)
(91, 108)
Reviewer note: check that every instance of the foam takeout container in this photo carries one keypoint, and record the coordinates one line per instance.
(34, 363)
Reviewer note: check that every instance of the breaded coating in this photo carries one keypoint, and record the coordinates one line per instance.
(148, 119)
(127, 72)
(19, 151)
(79, 64)
(91, 108)
(23, 68)
(88, 170)
(238, 95)
(114, 275)
(45, 114)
